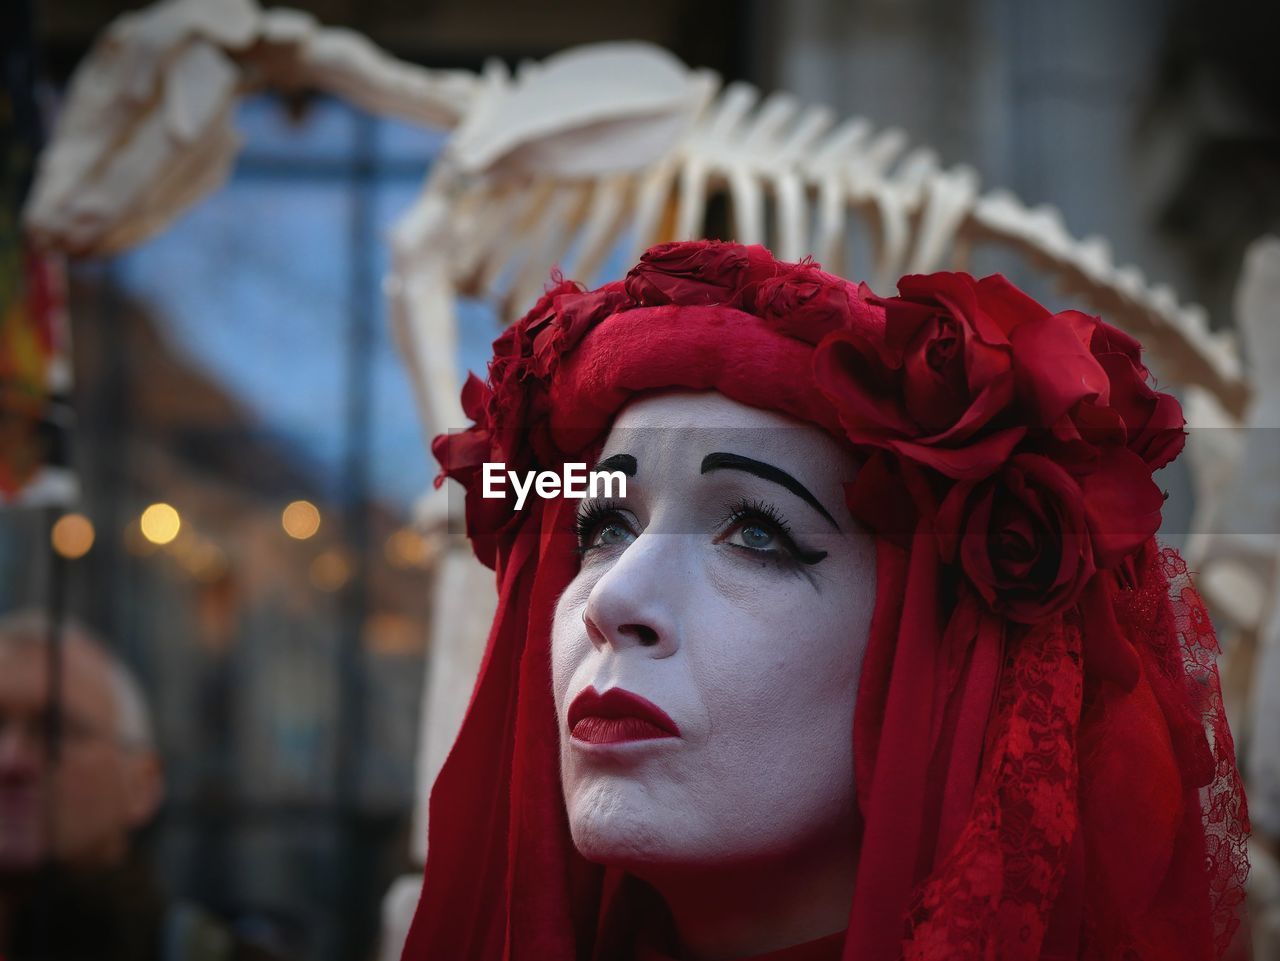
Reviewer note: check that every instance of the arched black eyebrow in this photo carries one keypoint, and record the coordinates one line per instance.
(723, 461)
(623, 462)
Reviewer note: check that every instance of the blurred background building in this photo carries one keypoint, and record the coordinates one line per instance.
(239, 368)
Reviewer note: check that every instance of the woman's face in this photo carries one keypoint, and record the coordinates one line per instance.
(731, 591)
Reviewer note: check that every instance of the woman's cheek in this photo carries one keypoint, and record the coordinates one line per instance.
(569, 642)
(752, 641)
(759, 587)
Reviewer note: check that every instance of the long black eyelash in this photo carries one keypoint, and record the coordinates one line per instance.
(592, 511)
(746, 509)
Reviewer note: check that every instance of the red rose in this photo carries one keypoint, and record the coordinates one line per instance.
(696, 273)
(1153, 420)
(887, 496)
(807, 303)
(1122, 505)
(1055, 371)
(1030, 537)
(1021, 537)
(1063, 392)
(935, 388)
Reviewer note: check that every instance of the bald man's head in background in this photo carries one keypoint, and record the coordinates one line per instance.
(107, 782)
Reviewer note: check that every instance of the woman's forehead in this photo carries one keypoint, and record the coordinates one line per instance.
(680, 429)
(699, 409)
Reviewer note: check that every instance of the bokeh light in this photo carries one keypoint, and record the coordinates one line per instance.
(330, 570)
(206, 562)
(198, 556)
(134, 541)
(300, 520)
(393, 635)
(72, 536)
(407, 548)
(160, 523)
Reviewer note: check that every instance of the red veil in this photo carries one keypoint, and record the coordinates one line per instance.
(1070, 790)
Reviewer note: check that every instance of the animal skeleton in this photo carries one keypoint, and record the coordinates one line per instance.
(606, 148)
(558, 164)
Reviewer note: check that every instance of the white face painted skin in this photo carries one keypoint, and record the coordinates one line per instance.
(733, 627)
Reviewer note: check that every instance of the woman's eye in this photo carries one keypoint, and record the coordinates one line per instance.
(602, 526)
(759, 528)
(755, 536)
(756, 527)
(611, 533)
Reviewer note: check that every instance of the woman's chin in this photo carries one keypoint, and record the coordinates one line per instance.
(614, 823)
(619, 825)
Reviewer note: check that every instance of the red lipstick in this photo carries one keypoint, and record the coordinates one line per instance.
(617, 716)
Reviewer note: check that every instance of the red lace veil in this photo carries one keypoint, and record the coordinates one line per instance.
(1071, 792)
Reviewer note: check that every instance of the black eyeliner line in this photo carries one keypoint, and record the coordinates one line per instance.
(722, 461)
(746, 508)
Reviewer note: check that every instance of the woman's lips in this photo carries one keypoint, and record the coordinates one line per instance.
(617, 716)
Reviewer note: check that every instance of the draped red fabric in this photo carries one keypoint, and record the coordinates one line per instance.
(1042, 765)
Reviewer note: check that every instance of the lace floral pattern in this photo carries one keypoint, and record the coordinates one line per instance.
(1222, 799)
(995, 892)
(990, 899)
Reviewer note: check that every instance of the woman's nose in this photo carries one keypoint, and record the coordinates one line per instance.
(631, 604)
(642, 634)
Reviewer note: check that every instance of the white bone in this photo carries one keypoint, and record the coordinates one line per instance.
(828, 241)
(651, 199)
(768, 122)
(891, 227)
(421, 308)
(547, 245)
(600, 231)
(1258, 318)
(200, 82)
(830, 154)
(1093, 258)
(747, 192)
(692, 204)
(813, 123)
(1239, 517)
(1129, 281)
(781, 168)
(158, 91)
(792, 216)
(882, 151)
(481, 218)
(510, 246)
(347, 65)
(732, 108)
(581, 88)
(949, 196)
(913, 172)
(550, 125)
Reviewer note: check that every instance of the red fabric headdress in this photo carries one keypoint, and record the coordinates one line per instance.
(1070, 790)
